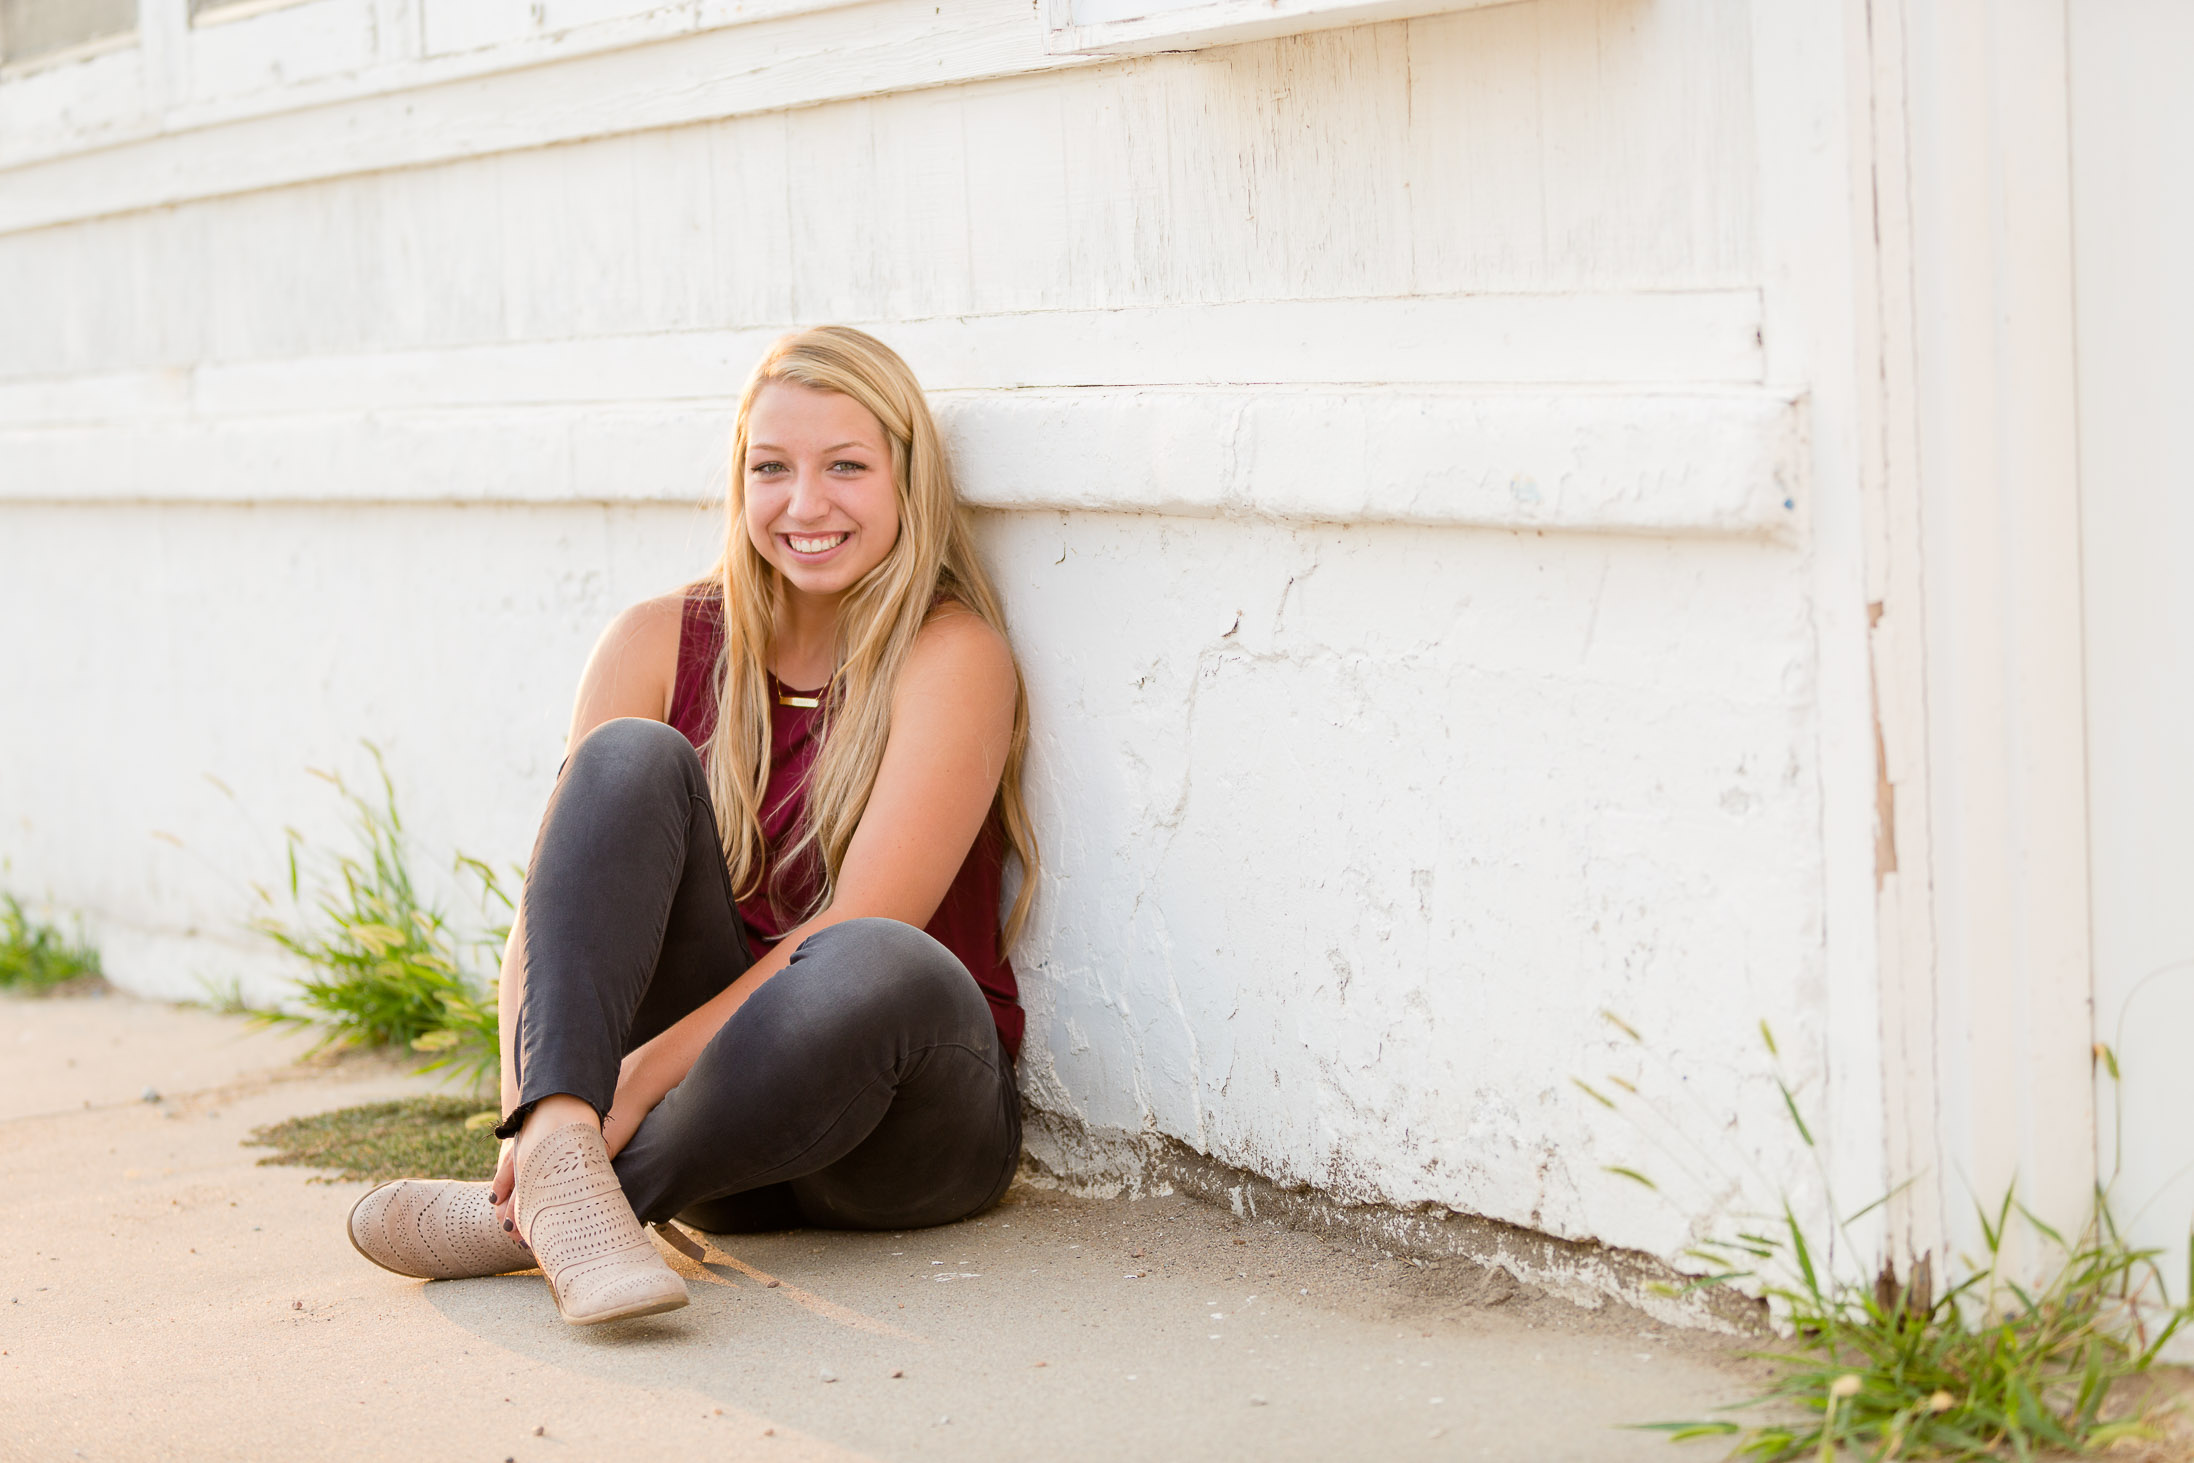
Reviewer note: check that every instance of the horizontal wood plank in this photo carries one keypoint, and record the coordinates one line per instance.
(1724, 462)
(771, 64)
(1666, 338)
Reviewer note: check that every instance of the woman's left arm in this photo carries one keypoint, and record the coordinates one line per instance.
(951, 725)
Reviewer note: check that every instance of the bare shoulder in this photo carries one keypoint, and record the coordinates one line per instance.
(961, 659)
(652, 623)
(957, 643)
(634, 665)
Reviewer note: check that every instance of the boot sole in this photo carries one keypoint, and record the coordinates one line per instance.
(645, 1308)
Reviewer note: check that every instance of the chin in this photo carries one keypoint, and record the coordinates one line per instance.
(827, 581)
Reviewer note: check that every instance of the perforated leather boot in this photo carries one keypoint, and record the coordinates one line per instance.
(600, 1264)
(435, 1229)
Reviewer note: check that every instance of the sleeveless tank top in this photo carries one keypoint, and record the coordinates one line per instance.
(966, 922)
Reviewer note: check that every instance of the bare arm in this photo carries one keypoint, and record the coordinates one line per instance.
(951, 724)
(634, 667)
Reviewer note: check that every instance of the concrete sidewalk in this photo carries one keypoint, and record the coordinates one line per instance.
(164, 1296)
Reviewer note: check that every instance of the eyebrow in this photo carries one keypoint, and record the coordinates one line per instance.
(839, 447)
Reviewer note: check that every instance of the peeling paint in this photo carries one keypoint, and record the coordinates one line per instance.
(1385, 840)
(1885, 791)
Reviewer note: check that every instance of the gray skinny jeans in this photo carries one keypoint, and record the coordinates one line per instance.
(862, 1087)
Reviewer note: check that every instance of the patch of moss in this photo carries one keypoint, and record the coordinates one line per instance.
(411, 1138)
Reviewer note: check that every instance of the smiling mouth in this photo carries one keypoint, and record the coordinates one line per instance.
(816, 544)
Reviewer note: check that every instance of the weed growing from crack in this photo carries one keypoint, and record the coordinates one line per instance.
(387, 969)
(1986, 1369)
(37, 958)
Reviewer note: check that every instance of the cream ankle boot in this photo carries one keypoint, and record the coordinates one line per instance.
(600, 1264)
(435, 1229)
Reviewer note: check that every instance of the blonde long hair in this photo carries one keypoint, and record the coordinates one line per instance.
(878, 620)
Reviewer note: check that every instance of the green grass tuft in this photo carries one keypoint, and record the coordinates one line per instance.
(37, 959)
(415, 1137)
(1986, 1367)
(1989, 1369)
(387, 968)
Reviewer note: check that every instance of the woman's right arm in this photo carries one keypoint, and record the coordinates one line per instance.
(634, 667)
(632, 672)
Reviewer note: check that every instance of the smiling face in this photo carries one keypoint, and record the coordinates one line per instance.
(821, 502)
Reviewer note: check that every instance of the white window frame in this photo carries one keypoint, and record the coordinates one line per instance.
(221, 12)
(120, 40)
(1099, 27)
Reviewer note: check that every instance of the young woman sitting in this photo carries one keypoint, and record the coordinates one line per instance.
(757, 978)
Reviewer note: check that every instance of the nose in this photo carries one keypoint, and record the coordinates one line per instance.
(808, 502)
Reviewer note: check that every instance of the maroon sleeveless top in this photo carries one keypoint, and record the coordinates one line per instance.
(966, 923)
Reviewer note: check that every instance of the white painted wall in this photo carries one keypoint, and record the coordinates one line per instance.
(1359, 828)
(1404, 448)
(2133, 155)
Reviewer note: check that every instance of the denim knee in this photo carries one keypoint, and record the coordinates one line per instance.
(887, 969)
(632, 753)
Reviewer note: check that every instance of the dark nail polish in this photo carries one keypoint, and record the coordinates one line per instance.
(506, 1225)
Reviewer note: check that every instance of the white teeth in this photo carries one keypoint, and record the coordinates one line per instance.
(814, 545)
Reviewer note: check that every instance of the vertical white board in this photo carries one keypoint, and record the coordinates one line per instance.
(2133, 198)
